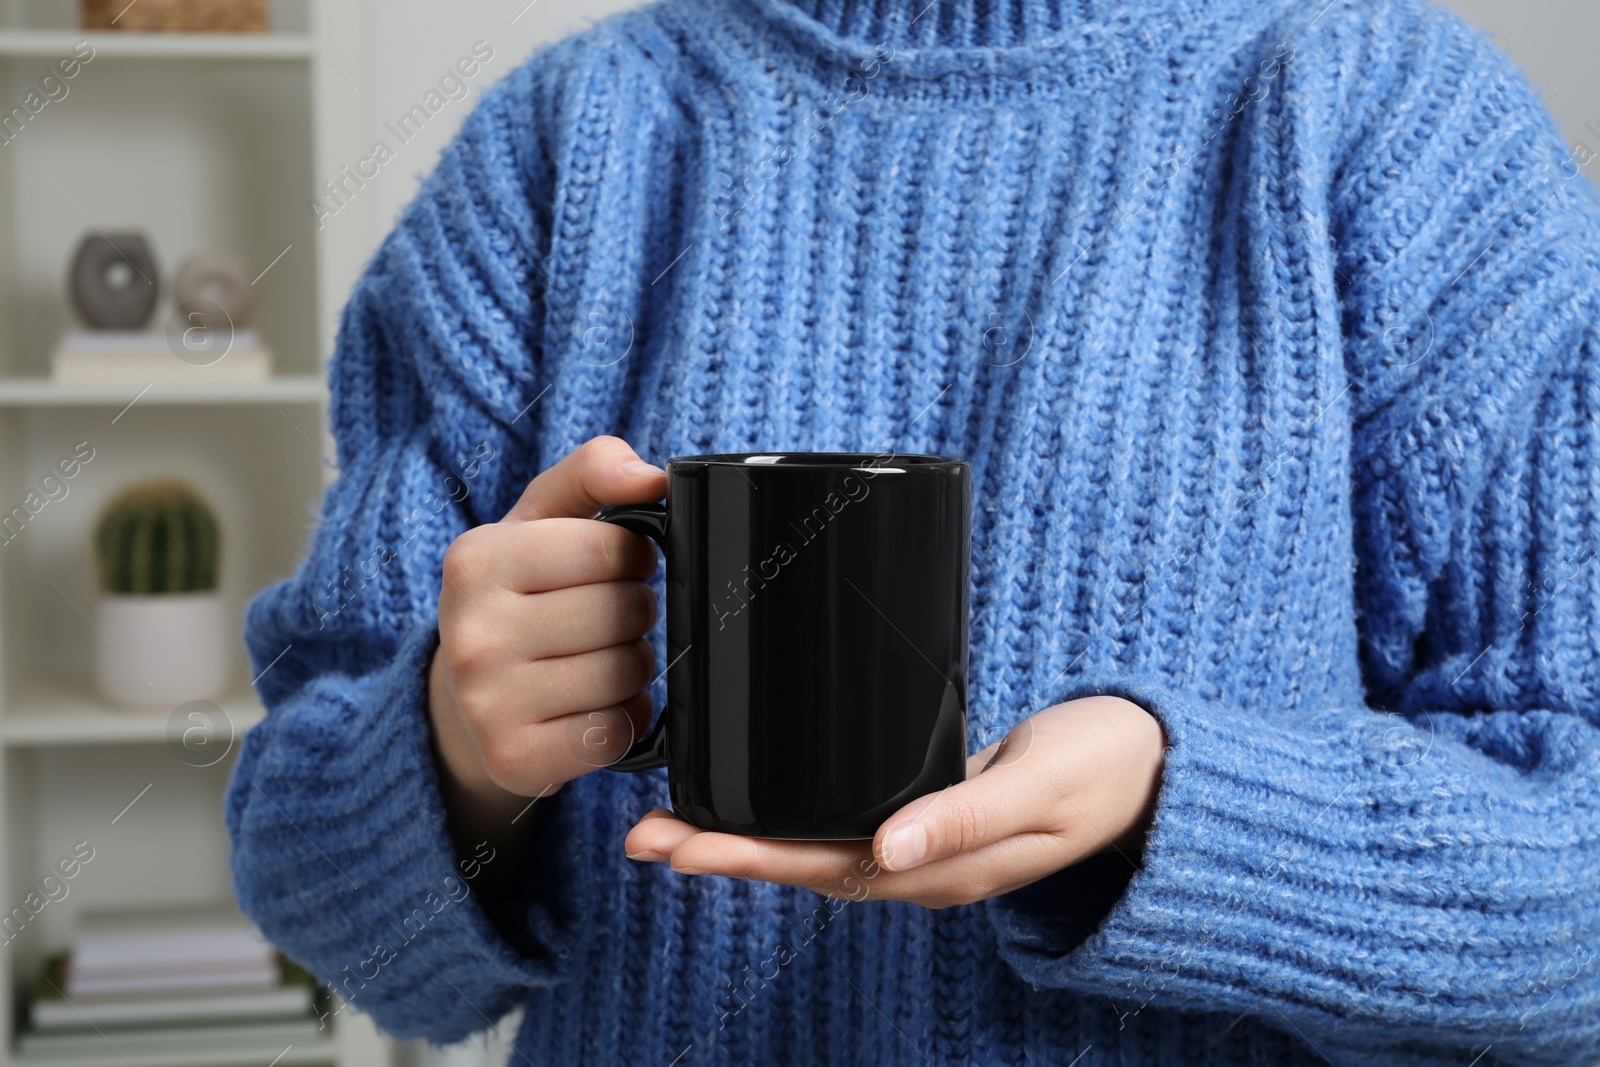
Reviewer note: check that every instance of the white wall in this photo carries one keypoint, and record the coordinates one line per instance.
(411, 45)
(1556, 42)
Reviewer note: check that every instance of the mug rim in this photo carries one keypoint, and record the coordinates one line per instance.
(818, 460)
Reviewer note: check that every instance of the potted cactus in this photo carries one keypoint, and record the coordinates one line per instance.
(163, 629)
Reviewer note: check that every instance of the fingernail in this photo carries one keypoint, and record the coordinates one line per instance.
(690, 870)
(641, 469)
(905, 846)
(648, 855)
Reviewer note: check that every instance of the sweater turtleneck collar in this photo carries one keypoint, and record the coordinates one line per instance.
(953, 24)
(985, 37)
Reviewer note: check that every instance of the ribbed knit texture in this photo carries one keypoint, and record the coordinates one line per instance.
(1270, 331)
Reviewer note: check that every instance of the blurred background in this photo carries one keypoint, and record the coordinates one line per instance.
(237, 172)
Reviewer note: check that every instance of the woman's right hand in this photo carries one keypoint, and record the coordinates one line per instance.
(542, 661)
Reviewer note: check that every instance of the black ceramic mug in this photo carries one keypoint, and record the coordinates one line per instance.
(816, 608)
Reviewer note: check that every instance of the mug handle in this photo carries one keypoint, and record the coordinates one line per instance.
(646, 520)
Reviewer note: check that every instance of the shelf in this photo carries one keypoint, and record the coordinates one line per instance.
(69, 712)
(42, 392)
(320, 1052)
(54, 44)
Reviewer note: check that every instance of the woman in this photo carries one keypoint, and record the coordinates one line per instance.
(1270, 332)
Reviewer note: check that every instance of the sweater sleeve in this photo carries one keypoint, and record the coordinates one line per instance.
(1417, 876)
(340, 848)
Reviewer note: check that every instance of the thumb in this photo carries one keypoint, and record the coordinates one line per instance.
(991, 806)
(602, 472)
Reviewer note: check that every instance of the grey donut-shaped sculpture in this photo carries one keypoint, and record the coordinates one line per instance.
(114, 282)
(219, 278)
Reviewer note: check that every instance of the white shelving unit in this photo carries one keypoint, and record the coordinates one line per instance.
(203, 143)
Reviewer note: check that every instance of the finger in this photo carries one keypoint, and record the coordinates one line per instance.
(604, 471)
(656, 835)
(570, 622)
(535, 759)
(535, 557)
(802, 863)
(848, 870)
(969, 877)
(998, 802)
(562, 685)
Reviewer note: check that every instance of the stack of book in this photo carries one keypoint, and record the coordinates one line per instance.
(139, 986)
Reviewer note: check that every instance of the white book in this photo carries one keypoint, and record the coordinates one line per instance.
(143, 937)
(167, 950)
(284, 1002)
(259, 978)
(199, 959)
(111, 357)
(150, 1045)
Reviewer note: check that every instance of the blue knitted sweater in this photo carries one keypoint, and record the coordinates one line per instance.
(1272, 332)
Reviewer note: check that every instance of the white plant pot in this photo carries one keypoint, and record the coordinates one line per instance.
(162, 650)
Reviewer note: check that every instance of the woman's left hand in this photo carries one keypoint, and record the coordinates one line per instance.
(1073, 780)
